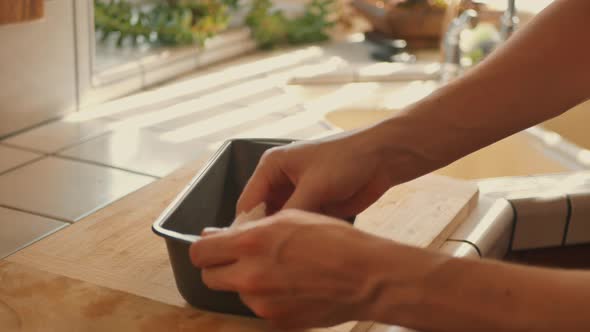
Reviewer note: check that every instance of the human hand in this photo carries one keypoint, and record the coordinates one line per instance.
(339, 176)
(296, 269)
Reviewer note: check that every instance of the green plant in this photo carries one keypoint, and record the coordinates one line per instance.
(176, 22)
(312, 26)
(268, 27)
(171, 23)
(271, 27)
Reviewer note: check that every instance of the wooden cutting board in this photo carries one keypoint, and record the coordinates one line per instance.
(421, 213)
(34, 300)
(113, 256)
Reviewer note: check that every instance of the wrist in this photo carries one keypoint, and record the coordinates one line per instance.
(391, 281)
(400, 284)
(405, 152)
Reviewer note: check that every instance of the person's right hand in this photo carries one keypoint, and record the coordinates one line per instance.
(339, 176)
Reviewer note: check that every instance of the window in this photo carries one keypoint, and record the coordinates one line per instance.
(115, 64)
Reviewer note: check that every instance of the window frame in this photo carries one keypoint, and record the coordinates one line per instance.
(96, 86)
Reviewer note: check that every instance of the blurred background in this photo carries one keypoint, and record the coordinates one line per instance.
(71, 54)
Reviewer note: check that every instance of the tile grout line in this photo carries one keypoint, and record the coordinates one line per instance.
(32, 127)
(23, 148)
(36, 213)
(23, 165)
(81, 141)
(62, 148)
(96, 163)
(37, 239)
(106, 204)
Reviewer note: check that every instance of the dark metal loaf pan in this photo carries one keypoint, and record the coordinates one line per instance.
(209, 201)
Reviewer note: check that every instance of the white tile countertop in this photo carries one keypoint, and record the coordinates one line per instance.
(19, 229)
(11, 158)
(66, 190)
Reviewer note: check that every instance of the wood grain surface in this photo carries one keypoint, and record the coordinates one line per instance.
(114, 254)
(421, 213)
(34, 300)
(13, 11)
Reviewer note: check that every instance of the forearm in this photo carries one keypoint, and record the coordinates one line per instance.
(437, 293)
(540, 73)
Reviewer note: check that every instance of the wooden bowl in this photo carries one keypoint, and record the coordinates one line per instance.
(420, 26)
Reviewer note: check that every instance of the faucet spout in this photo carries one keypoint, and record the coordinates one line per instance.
(451, 45)
(509, 21)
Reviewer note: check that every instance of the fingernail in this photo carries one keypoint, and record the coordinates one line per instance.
(212, 230)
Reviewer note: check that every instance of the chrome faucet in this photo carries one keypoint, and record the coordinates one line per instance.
(451, 45)
(509, 21)
(469, 19)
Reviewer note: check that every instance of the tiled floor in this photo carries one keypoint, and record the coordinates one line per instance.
(59, 172)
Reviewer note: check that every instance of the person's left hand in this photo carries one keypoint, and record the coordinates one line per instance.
(296, 269)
